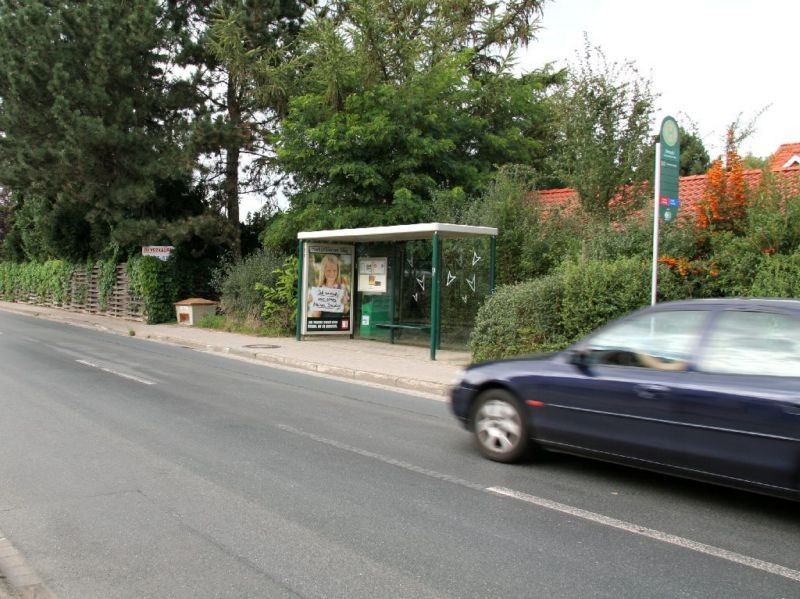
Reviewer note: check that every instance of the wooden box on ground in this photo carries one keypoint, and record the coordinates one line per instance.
(191, 311)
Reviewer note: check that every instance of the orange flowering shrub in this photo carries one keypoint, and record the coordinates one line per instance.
(680, 265)
(685, 267)
(725, 196)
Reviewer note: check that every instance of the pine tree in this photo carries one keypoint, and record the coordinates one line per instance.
(93, 142)
(231, 130)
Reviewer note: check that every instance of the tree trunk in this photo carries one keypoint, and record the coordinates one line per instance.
(231, 184)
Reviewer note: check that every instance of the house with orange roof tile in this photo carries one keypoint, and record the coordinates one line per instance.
(787, 156)
(785, 162)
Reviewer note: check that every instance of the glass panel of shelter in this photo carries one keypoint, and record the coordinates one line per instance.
(464, 285)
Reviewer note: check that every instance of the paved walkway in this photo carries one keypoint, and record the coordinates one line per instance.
(398, 366)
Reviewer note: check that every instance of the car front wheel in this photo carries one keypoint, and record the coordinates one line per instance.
(499, 426)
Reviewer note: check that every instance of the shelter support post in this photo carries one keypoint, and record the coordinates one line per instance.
(435, 292)
(299, 317)
(492, 263)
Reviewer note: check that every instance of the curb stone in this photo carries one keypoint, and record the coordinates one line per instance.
(15, 573)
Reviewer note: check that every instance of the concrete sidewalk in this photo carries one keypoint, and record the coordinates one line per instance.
(398, 366)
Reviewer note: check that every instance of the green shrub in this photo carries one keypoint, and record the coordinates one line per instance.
(280, 300)
(777, 276)
(237, 283)
(596, 292)
(50, 281)
(107, 278)
(607, 241)
(519, 319)
(212, 321)
(773, 216)
(735, 261)
(153, 283)
(530, 243)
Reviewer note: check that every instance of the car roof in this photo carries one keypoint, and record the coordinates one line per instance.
(742, 303)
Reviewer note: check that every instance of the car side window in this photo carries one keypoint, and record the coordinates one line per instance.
(753, 343)
(661, 340)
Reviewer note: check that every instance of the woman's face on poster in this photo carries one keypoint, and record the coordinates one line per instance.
(331, 272)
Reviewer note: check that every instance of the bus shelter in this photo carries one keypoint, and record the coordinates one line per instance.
(395, 283)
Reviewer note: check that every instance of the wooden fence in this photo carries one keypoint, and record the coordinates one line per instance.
(85, 296)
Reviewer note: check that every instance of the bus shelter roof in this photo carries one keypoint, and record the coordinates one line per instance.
(399, 233)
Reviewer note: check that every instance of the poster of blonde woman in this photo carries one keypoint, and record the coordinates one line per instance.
(329, 271)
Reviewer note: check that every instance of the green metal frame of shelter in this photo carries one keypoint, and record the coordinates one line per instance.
(436, 232)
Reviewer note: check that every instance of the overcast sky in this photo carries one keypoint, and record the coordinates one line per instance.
(709, 59)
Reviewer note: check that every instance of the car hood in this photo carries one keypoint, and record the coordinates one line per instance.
(507, 368)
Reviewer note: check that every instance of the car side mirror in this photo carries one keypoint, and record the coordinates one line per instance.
(579, 357)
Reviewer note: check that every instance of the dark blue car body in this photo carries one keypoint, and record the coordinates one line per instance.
(740, 430)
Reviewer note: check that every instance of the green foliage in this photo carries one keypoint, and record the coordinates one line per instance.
(597, 291)
(603, 120)
(229, 119)
(106, 281)
(519, 319)
(93, 141)
(694, 156)
(236, 282)
(719, 263)
(603, 241)
(550, 312)
(49, 281)
(382, 114)
(525, 247)
(280, 299)
(773, 215)
(212, 321)
(777, 276)
(753, 162)
(153, 283)
(730, 268)
(232, 324)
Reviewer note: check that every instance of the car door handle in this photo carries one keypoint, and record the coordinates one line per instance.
(650, 391)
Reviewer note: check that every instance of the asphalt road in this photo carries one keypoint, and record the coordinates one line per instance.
(132, 469)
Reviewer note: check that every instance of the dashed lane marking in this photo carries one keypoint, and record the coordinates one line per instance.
(650, 533)
(596, 518)
(116, 372)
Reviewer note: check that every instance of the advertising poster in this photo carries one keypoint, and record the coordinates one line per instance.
(328, 291)
(372, 275)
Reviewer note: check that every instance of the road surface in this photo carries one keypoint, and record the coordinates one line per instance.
(132, 469)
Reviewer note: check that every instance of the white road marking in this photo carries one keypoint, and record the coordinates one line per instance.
(629, 527)
(121, 374)
(650, 533)
(382, 458)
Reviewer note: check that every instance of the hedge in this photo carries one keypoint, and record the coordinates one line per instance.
(519, 319)
(153, 284)
(49, 282)
(550, 312)
(777, 276)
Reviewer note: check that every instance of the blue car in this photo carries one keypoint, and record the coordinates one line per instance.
(704, 389)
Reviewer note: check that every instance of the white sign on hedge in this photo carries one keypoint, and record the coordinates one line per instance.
(162, 252)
